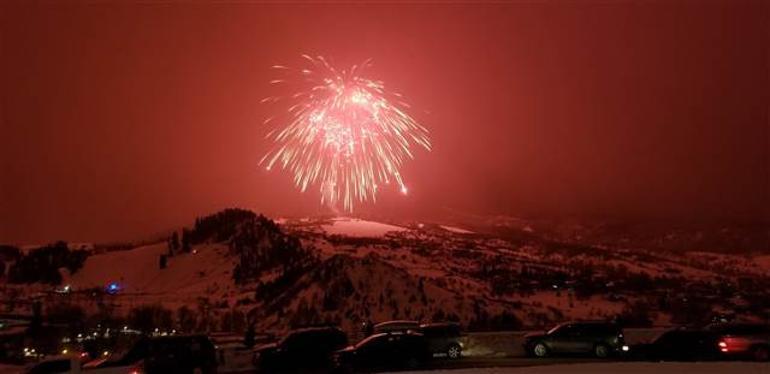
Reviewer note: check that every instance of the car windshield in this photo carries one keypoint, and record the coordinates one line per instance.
(665, 336)
(369, 340)
(557, 328)
(285, 340)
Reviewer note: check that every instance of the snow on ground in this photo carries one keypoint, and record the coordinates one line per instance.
(359, 228)
(456, 230)
(622, 367)
(138, 270)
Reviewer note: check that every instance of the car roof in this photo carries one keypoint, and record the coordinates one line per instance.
(589, 323)
(397, 322)
(314, 329)
(440, 324)
(180, 336)
(384, 334)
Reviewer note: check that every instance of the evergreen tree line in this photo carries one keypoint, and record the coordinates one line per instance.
(42, 264)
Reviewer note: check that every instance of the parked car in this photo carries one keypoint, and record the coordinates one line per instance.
(71, 364)
(678, 345)
(396, 326)
(164, 354)
(443, 339)
(394, 350)
(60, 364)
(308, 348)
(743, 340)
(600, 339)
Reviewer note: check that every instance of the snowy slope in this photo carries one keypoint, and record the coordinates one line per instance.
(206, 273)
(355, 227)
(413, 271)
(138, 270)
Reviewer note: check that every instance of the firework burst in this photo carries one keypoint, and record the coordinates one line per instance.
(341, 132)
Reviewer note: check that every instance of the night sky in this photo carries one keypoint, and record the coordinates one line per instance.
(121, 120)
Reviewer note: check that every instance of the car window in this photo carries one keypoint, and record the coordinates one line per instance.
(195, 346)
(582, 329)
(441, 331)
(433, 332)
(296, 341)
(669, 337)
(577, 329)
(337, 339)
(286, 341)
(604, 329)
(411, 342)
(323, 339)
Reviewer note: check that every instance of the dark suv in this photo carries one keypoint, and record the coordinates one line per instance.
(164, 354)
(443, 338)
(600, 339)
(303, 349)
(391, 350)
(743, 340)
(679, 344)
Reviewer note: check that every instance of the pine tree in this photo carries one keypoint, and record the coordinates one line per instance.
(173, 244)
(185, 241)
(249, 336)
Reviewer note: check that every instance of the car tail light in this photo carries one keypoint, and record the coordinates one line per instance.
(137, 369)
(723, 346)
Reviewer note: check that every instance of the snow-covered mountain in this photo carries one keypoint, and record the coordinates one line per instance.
(487, 274)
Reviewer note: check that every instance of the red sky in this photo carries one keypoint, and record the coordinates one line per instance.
(119, 120)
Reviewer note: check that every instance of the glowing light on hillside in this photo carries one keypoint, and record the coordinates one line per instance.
(342, 133)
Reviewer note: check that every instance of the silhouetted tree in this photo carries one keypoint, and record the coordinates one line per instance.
(66, 314)
(185, 241)
(147, 318)
(250, 336)
(43, 264)
(635, 315)
(186, 319)
(173, 244)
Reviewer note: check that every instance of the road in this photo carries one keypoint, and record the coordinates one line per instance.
(488, 362)
(615, 367)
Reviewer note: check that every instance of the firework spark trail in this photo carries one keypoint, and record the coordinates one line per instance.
(342, 132)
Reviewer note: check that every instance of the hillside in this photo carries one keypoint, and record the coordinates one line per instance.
(235, 266)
